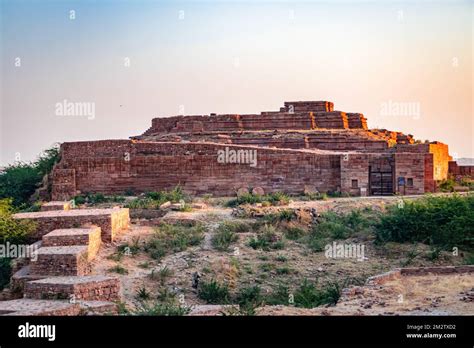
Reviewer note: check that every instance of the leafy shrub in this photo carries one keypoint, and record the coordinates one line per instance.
(279, 296)
(118, 269)
(315, 196)
(443, 221)
(309, 296)
(12, 230)
(171, 238)
(5, 272)
(283, 270)
(294, 232)
(142, 294)
(276, 198)
(19, 181)
(162, 275)
(266, 239)
(249, 298)
(160, 309)
(447, 185)
(214, 293)
(235, 226)
(153, 200)
(223, 238)
(97, 198)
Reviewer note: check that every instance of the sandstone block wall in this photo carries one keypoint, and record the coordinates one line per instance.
(458, 171)
(75, 236)
(88, 288)
(357, 121)
(61, 261)
(102, 167)
(304, 106)
(110, 221)
(56, 205)
(355, 167)
(440, 156)
(410, 166)
(287, 121)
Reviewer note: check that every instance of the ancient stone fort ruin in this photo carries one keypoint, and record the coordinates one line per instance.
(305, 146)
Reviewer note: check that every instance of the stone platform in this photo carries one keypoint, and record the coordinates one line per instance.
(75, 236)
(97, 287)
(111, 221)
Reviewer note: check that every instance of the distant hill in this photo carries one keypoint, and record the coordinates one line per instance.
(465, 161)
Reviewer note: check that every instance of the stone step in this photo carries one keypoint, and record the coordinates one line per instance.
(75, 236)
(20, 277)
(98, 307)
(96, 288)
(56, 205)
(28, 307)
(61, 261)
(111, 221)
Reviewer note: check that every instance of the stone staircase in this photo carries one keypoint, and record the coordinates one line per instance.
(58, 279)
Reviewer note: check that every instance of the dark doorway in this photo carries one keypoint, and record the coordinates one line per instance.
(381, 177)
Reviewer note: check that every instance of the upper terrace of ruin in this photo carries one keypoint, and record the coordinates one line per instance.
(298, 124)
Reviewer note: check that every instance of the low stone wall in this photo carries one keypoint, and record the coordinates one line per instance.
(89, 288)
(418, 271)
(459, 172)
(61, 261)
(56, 205)
(91, 237)
(31, 307)
(110, 221)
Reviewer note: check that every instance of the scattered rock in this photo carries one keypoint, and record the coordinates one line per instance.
(258, 191)
(165, 205)
(199, 205)
(242, 191)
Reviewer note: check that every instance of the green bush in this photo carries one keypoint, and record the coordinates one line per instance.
(153, 200)
(279, 296)
(276, 198)
(236, 226)
(309, 296)
(5, 272)
(160, 309)
(223, 238)
(19, 181)
(294, 232)
(12, 230)
(447, 185)
(444, 221)
(249, 298)
(214, 293)
(171, 238)
(266, 239)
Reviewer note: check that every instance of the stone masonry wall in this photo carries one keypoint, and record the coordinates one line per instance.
(116, 166)
(410, 166)
(458, 171)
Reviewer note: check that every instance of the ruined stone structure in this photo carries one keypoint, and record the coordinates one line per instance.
(303, 146)
(56, 277)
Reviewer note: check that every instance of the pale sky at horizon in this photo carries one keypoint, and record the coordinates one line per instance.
(231, 57)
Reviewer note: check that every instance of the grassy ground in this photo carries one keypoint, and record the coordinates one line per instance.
(278, 257)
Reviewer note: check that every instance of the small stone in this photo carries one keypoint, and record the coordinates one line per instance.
(258, 191)
(165, 205)
(242, 191)
(199, 205)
